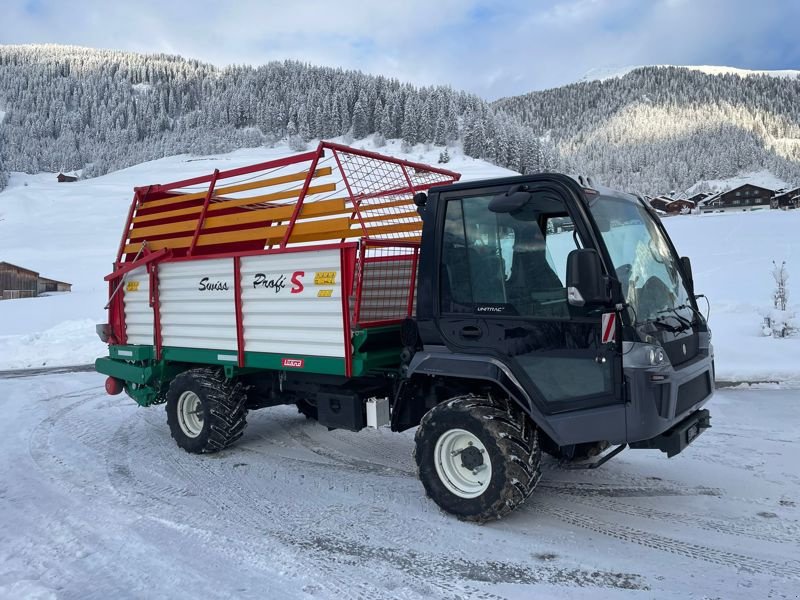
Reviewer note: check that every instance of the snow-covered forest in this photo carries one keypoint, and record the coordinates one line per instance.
(652, 130)
(68, 108)
(665, 128)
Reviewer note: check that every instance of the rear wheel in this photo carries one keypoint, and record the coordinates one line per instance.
(205, 411)
(307, 408)
(477, 457)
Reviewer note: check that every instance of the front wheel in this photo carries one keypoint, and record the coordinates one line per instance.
(205, 411)
(477, 457)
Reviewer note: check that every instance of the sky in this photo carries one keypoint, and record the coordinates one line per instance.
(491, 48)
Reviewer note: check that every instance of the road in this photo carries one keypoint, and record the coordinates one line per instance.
(96, 501)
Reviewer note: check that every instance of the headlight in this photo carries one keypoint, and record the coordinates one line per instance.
(637, 354)
(655, 356)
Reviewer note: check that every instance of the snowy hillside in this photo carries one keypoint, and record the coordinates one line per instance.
(601, 74)
(655, 129)
(71, 231)
(650, 129)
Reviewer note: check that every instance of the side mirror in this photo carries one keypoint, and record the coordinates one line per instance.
(686, 267)
(586, 284)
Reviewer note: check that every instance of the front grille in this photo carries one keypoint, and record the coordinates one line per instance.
(692, 392)
(675, 351)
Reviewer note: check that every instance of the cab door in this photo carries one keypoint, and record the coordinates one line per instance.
(502, 293)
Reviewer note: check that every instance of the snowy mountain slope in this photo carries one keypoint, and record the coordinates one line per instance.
(71, 231)
(604, 73)
(653, 129)
(101, 110)
(666, 128)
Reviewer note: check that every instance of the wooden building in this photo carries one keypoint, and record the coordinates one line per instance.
(660, 202)
(63, 178)
(744, 197)
(51, 285)
(680, 207)
(698, 198)
(19, 282)
(786, 199)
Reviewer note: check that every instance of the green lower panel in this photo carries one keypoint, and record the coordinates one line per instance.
(308, 364)
(138, 374)
(131, 352)
(200, 356)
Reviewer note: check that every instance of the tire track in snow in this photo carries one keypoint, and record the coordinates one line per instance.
(655, 541)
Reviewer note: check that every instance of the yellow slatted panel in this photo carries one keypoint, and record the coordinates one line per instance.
(394, 228)
(389, 217)
(313, 229)
(356, 232)
(323, 208)
(366, 207)
(238, 188)
(217, 206)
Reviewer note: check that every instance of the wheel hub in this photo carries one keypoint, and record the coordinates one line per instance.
(190, 414)
(462, 463)
(471, 458)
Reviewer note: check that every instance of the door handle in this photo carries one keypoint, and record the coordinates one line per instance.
(471, 332)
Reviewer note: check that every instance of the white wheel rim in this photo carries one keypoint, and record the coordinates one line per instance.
(190, 414)
(463, 481)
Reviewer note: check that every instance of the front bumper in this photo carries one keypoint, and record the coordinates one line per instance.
(674, 440)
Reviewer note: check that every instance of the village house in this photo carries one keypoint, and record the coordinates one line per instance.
(744, 197)
(680, 207)
(19, 282)
(786, 199)
(660, 202)
(64, 178)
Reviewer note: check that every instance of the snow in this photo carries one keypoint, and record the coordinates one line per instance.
(763, 179)
(94, 495)
(70, 232)
(732, 256)
(605, 73)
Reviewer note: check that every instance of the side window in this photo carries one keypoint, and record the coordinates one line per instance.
(515, 264)
(559, 242)
(455, 288)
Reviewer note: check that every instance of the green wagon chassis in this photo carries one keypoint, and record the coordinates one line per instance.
(146, 379)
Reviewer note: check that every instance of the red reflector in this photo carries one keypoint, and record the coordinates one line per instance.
(114, 386)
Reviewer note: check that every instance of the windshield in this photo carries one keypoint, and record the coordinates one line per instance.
(644, 263)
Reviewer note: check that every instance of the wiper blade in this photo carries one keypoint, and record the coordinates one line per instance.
(684, 322)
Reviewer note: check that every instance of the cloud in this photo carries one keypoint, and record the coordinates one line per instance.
(493, 48)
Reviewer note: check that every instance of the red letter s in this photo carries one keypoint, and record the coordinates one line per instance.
(297, 285)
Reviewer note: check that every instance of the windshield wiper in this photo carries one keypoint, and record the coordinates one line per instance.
(685, 323)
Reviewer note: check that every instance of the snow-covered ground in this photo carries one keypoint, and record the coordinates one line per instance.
(71, 231)
(96, 501)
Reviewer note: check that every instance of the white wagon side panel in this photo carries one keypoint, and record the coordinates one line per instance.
(196, 300)
(292, 303)
(138, 313)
